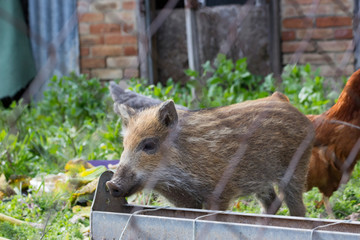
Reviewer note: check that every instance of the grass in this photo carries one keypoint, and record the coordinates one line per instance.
(52, 212)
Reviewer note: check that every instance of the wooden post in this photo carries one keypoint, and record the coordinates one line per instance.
(192, 34)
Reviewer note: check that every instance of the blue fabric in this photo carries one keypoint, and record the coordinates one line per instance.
(54, 39)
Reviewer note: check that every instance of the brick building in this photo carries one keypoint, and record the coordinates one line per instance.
(108, 39)
(319, 32)
(322, 31)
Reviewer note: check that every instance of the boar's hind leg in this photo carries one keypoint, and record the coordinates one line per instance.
(268, 199)
(293, 197)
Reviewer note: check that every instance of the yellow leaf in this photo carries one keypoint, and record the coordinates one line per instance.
(5, 189)
(82, 211)
(84, 230)
(87, 189)
(93, 172)
(22, 180)
(76, 166)
(3, 182)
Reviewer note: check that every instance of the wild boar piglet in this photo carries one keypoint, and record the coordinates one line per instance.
(207, 158)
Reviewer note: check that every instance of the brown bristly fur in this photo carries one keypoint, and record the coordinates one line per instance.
(184, 154)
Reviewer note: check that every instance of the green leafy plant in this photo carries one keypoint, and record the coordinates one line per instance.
(15, 153)
(49, 211)
(224, 82)
(346, 200)
(306, 90)
(73, 120)
(227, 83)
(73, 98)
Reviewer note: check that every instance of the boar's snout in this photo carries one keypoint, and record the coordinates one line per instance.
(114, 188)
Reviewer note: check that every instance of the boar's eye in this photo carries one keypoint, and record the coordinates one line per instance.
(149, 145)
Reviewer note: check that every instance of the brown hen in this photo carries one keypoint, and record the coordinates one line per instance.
(337, 142)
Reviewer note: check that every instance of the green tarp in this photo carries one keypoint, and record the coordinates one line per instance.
(17, 66)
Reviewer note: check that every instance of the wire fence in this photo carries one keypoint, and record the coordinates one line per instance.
(152, 26)
(295, 58)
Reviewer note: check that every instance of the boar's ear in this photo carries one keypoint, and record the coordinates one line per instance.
(167, 113)
(125, 112)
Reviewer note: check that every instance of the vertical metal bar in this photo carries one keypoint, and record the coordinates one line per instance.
(192, 36)
(149, 42)
(275, 50)
(142, 39)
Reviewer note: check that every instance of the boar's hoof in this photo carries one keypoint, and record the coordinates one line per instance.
(115, 190)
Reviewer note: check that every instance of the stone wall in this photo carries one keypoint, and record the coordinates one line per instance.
(171, 48)
(238, 31)
(235, 30)
(108, 38)
(321, 35)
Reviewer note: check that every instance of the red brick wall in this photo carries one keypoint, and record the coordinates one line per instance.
(320, 34)
(317, 34)
(108, 39)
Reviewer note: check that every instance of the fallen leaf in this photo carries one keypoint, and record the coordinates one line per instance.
(76, 166)
(48, 182)
(82, 211)
(22, 182)
(5, 189)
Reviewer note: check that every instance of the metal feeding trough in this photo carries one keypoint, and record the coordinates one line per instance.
(112, 218)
